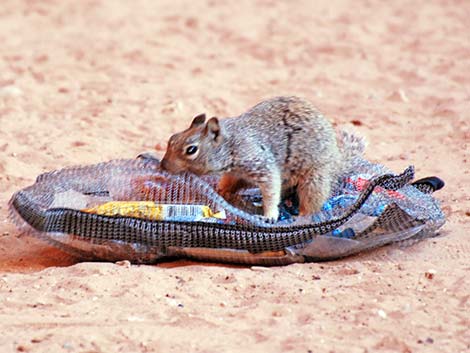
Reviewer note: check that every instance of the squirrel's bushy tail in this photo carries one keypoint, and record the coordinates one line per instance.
(351, 146)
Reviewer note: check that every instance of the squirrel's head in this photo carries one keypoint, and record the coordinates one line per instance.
(193, 149)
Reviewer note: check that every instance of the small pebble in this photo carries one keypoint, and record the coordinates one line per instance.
(398, 96)
(428, 340)
(382, 313)
(124, 263)
(429, 274)
(67, 346)
(356, 122)
(403, 96)
(403, 156)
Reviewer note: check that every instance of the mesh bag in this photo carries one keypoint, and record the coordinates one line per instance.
(131, 209)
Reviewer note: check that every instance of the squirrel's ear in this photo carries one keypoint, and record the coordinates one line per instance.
(198, 120)
(213, 129)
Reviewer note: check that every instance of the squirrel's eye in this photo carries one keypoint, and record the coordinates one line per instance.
(190, 150)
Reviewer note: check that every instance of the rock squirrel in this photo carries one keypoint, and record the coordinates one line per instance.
(280, 143)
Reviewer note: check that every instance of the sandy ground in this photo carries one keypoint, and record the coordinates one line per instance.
(87, 81)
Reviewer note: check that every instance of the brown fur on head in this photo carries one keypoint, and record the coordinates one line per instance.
(194, 148)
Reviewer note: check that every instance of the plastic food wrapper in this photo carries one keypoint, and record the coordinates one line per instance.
(131, 209)
(155, 212)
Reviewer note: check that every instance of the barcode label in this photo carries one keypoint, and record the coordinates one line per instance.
(195, 212)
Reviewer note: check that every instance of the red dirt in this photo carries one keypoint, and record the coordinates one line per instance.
(88, 81)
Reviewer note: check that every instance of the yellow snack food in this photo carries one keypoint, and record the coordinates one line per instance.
(156, 212)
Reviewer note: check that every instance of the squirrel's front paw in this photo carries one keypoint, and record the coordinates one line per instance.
(270, 220)
(272, 216)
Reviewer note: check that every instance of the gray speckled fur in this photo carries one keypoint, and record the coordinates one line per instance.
(280, 143)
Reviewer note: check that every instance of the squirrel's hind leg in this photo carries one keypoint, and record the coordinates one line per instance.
(313, 190)
(271, 193)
